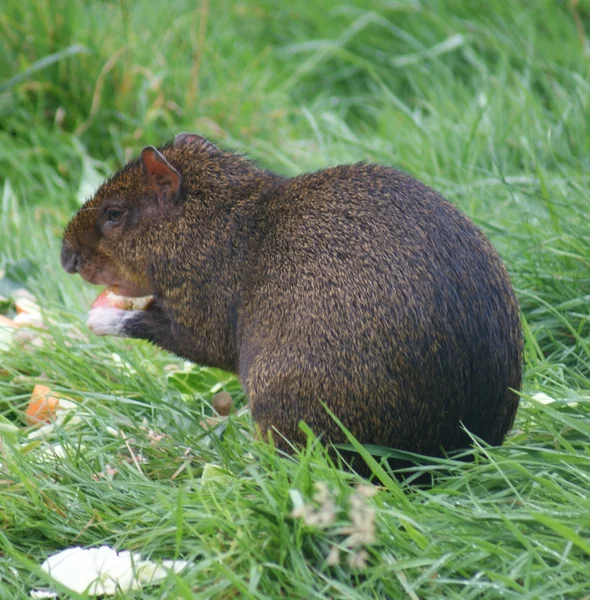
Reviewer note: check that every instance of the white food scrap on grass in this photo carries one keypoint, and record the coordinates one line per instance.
(543, 398)
(26, 303)
(42, 594)
(25, 326)
(114, 432)
(104, 571)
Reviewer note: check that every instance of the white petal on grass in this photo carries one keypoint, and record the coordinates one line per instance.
(104, 571)
(543, 398)
(42, 594)
(65, 405)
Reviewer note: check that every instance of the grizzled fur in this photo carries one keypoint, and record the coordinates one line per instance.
(357, 286)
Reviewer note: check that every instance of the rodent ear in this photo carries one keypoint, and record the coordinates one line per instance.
(161, 175)
(197, 141)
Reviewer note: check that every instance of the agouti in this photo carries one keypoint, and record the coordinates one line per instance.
(356, 286)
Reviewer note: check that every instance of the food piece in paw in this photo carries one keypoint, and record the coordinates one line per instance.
(132, 303)
(101, 300)
(108, 298)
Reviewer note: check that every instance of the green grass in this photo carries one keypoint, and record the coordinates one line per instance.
(486, 101)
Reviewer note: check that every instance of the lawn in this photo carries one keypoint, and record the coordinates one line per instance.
(486, 101)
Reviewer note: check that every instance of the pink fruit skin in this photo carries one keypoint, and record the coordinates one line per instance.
(107, 298)
(102, 300)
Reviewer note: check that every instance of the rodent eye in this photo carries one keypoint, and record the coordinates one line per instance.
(114, 215)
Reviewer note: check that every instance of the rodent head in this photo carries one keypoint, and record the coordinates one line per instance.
(107, 242)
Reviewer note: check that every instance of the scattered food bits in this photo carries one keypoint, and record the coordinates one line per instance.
(25, 319)
(222, 403)
(26, 305)
(27, 309)
(44, 406)
(28, 316)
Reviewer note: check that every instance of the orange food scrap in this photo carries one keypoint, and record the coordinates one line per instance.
(42, 406)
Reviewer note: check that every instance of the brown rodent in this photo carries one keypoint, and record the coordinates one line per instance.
(357, 286)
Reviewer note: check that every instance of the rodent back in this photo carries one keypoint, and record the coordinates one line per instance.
(379, 283)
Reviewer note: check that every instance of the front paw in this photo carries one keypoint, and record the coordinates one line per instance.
(109, 321)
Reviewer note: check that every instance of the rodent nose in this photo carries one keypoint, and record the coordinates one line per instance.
(70, 258)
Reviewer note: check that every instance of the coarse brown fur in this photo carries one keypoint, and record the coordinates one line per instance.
(357, 286)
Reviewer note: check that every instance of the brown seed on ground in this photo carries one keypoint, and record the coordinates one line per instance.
(222, 403)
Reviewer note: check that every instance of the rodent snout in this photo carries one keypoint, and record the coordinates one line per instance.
(71, 259)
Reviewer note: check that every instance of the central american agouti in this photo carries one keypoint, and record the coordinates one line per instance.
(356, 286)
